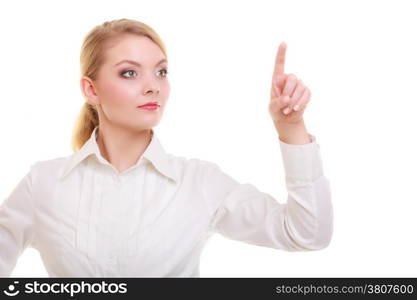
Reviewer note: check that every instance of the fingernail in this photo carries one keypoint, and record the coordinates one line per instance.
(286, 110)
(296, 107)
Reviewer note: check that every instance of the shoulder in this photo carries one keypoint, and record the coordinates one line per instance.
(186, 162)
(49, 167)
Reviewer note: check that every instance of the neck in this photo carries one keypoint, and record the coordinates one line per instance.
(122, 147)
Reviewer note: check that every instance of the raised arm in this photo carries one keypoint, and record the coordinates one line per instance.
(305, 221)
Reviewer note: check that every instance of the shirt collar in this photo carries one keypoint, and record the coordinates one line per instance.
(155, 153)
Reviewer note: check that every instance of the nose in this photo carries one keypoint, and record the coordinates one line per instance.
(151, 91)
(151, 86)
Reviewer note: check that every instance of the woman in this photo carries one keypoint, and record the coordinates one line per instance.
(122, 206)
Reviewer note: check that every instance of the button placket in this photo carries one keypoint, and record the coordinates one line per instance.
(135, 219)
(116, 179)
(112, 260)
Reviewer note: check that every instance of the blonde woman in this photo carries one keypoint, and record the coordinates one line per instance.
(121, 206)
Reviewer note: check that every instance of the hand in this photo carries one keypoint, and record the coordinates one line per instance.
(289, 96)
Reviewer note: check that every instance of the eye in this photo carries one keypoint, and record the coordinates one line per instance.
(165, 72)
(127, 71)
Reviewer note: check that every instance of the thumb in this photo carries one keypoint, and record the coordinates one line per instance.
(278, 103)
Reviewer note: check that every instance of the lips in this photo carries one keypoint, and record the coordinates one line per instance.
(149, 104)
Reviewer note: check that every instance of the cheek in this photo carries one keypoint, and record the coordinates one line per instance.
(117, 93)
(117, 100)
(165, 91)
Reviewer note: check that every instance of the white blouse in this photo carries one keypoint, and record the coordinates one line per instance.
(152, 220)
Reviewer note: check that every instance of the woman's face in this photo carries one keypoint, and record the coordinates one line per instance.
(122, 86)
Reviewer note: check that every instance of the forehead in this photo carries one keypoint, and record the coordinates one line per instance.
(134, 47)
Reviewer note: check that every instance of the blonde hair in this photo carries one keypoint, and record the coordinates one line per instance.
(92, 57)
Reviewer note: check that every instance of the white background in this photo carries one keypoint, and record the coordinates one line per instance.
(358, 59)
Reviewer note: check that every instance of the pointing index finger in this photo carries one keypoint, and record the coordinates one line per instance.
(280, 59)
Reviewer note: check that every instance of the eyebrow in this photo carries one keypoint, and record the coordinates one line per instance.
(136, 63)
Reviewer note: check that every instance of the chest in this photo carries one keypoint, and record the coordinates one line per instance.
(98, 224)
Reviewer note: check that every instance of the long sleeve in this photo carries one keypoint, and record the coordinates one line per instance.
(303, 223)
(16, 224)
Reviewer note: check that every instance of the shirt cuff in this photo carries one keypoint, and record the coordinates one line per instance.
(302, 162)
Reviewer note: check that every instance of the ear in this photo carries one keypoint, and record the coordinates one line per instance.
(88, 90)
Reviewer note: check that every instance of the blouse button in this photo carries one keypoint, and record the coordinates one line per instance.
(116, 179)
(112, 260)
